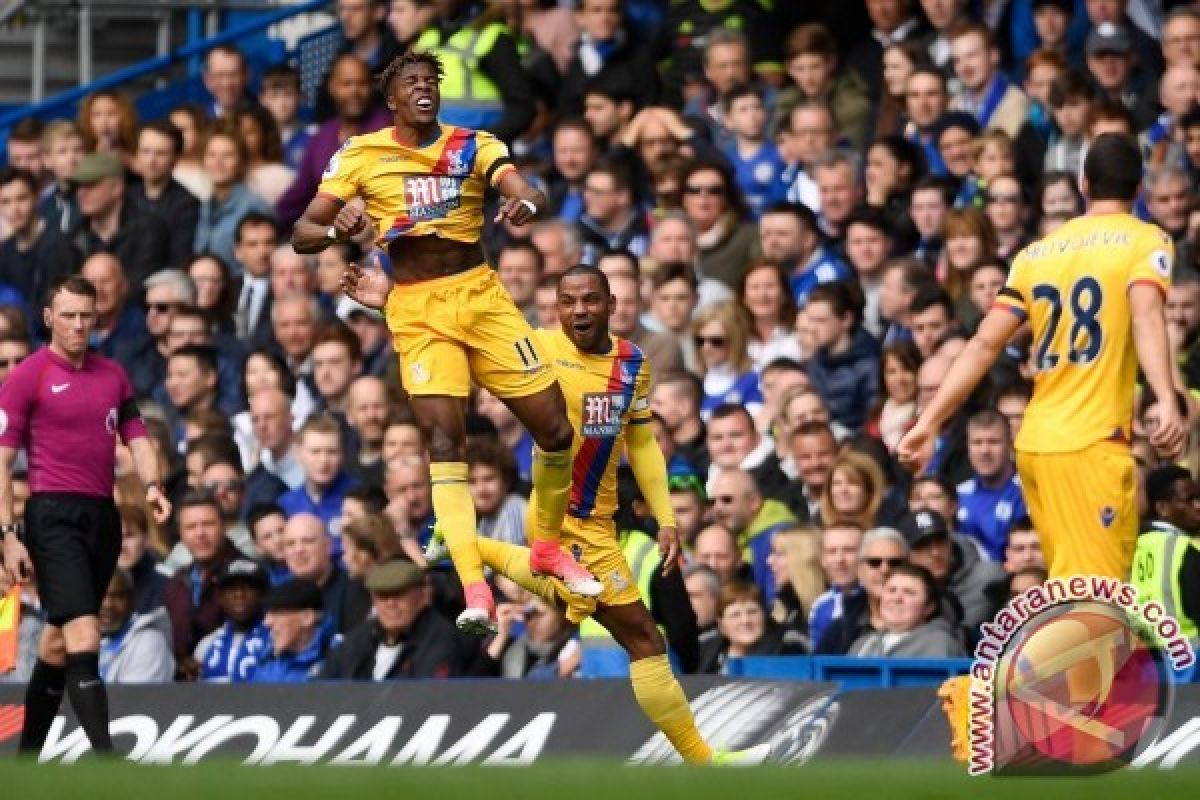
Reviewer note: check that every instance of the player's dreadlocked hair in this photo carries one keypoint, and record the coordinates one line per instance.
(408, 59)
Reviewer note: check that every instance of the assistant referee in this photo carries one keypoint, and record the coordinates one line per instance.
(66, 406)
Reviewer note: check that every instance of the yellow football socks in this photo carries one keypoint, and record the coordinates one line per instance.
(551, 490)
(455, 512)
(512, 561)
(663, 701)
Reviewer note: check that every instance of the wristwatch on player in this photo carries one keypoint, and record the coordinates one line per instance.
(332, 233)
(12, 527)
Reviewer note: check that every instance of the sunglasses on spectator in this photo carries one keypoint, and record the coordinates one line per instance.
(714, 191)
(875, 562)
(225, 486)
(162, 308)
(5, 363)
(715, 341)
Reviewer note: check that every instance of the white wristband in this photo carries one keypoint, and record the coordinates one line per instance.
(529, 204)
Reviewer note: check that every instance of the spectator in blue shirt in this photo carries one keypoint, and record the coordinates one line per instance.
(232, 652)
(301, 634)
(990, 501)
(721, 334)
(757, 165)
(225, 162)
(325, 482)
(789, 236)
(839, 561)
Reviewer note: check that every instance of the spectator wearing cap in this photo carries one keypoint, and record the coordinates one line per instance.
(1111, 66)
(374, 339)
(231, 653)
(955, 563)
(190, 596)
(1166, 564)
(739, 506)
(911, 626)
(986, 93)
(134, 648)
(880, 551)
(111, 222)
(845, 367)
(308, 554)
(990, 500)
(955, 133)
(302, 634)
(1141, 33)
(840, 544)
(404, 638)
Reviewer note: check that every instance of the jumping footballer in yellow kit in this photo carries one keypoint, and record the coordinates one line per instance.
(606, 381)
(423, 183)
(1093, 293)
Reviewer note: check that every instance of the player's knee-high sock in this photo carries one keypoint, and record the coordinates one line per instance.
(43, 696)
(663, 701)
(89, 698)
(456, 514)
(512, 561)
(551, 489)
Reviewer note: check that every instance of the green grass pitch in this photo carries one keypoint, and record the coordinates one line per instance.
(851, 780)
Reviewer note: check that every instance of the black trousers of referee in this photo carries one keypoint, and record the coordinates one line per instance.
(73, 542)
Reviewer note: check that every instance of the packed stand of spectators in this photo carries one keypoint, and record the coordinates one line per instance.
(803, 209)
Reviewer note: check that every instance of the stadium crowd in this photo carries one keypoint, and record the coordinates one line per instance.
(802, 210)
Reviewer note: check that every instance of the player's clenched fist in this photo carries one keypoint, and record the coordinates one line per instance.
(916, 448)
(350, 221)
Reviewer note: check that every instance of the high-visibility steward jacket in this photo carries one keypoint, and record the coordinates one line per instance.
(469, 97)
(1156, 562)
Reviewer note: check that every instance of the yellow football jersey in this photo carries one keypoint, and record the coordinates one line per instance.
(1073, 286)
(603, 394)
(416, 191)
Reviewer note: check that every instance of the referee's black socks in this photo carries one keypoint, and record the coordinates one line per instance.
(43, 696)
(89, 698)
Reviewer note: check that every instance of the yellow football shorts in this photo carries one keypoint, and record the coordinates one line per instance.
(448, 330)
(593, 543)
(1084, 508)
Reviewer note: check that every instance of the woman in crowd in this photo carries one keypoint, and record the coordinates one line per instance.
(1059, 194)
(726, 240)
(882, 551)
(795, 563)
(109, 123)
(766, 298)
(899, 61)
(896, 407)
(192, 122)
(263, 368)
(970, 240)
(893, 165)
(987, 280)
(720, 333)
(854, 490)
(366, 541)
(746, 630)
(910, 625)
(225, 161)
(214, 289)
(267, 175)
(1007, 210)
(492, 478)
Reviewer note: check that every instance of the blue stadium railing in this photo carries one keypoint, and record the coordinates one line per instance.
(312, 54)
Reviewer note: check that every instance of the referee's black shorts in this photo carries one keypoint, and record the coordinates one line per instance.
(73, 542)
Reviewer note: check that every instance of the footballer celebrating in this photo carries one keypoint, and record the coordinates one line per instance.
(1093, 293)
(606, 380)
(451, 319)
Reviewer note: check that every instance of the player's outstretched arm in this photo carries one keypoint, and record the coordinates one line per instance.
(650, 472)
(519, 196)
(916, 448)
(1154, 354)
(311, 232)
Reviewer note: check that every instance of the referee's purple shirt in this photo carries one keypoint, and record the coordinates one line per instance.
(67, 419)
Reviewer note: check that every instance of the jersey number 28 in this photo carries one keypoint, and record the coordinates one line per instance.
(1086, 336)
